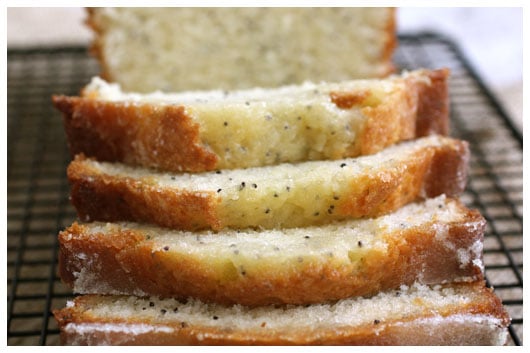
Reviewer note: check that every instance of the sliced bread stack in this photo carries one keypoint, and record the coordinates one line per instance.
(317, 213)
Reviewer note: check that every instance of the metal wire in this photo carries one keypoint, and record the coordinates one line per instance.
(37, 196)
(37, 193)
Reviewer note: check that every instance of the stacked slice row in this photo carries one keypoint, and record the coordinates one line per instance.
(311, 214)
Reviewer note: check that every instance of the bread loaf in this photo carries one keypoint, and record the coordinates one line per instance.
(436, 241)
(180, 49)
(199, 131)
(286, 195)
(465, 314)
(294, 212)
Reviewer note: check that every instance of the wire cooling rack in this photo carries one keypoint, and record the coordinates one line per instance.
(37, 190)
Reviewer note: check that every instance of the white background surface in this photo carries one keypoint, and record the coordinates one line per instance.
(491, 38)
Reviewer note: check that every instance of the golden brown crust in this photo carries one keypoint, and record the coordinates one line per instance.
(416, 330)
(167, 138)
(433, 104)
(429, 172)
(127, 262)
(346, 100)
(387, 123)
(163, 137)
(420, 109)
(102, 197)
(448, 171)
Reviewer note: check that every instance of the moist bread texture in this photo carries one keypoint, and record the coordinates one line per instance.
(432, 242)
(252, 176)
(181, 49)
(285, 195)
(463, 314)
(200, 131)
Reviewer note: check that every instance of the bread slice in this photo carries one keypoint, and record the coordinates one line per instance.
(199, 131)
(286, 195)
(178, 49)
(432, 242)
(464, 314)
